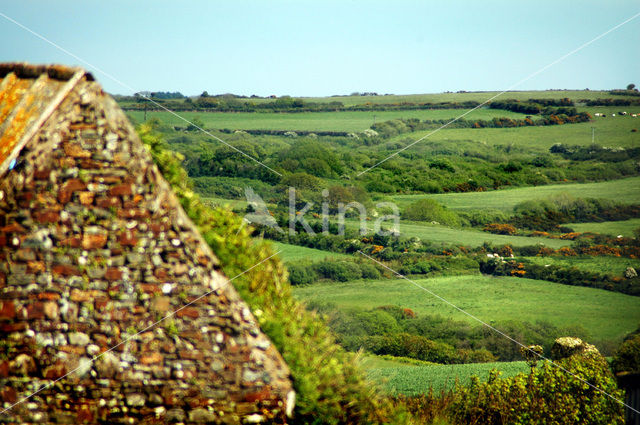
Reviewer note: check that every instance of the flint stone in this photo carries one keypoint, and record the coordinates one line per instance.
(107, 365)
(201, 415)
(79, 338)
(135, 400)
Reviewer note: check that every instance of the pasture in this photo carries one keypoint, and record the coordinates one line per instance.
(609, 265)
(610, 131)
(623, 190)
(470, 237)
(614, 228)
(295, 253)
(604, 315)
(353, 121)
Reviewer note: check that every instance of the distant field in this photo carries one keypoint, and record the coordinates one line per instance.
(295, 253)
(468, 237)
(462, 97)
(407, 379)
(605, 315)
(624, 190)
(624, 228)
(355, 121)
(612, 265)
(610, 131)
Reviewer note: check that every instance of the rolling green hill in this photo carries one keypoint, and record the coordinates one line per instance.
(605, 315)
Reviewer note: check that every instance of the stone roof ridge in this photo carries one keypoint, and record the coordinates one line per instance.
(53, 71)
(24, 108)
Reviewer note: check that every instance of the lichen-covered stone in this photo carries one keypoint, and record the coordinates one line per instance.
(570, 346)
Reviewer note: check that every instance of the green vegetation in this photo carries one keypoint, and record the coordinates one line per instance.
(411, 380)
(618, 190)
(349, 121)
(625, 227)
(609, 265)
(547, 394)
(290, 253)
(471, 237)
(470, 199)
(611, 315)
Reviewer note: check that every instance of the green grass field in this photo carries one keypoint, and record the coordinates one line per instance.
(470, 237)
(355, 121)
(610, 131)
(295, 253)
(605, 315)
(408, 379)
(624, 190)
(624, 228)
(610, 265)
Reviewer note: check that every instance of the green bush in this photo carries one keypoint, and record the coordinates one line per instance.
(369, 271)
(627, 359)
(300, 274)
(547, 395)
(413, 346)
(340, 271)
(430, 210)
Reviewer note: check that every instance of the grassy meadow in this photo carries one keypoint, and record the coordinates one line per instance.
(605, 315)
(623, 190)
(609, 265)
(355, 121)
(471, 237)
(296, 253)
(615, 228)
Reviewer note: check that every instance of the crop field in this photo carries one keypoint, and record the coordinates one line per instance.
(296, 253)
(409, 379)
(605, 315)
(610, 265)
(615, 228)
(623, 190)
(355, 121)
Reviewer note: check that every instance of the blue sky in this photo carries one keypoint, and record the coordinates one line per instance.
(322, 48)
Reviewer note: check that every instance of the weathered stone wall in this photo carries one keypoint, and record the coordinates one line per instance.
(94, 248)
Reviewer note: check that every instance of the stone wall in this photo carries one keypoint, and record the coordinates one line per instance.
(94, 249)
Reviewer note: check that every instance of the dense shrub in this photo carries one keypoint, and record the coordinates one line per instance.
(627, 358)
(413, 346)
(546, 395)
(500, 229)
(300, 274)
(430, 210)
(340, 271)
